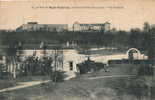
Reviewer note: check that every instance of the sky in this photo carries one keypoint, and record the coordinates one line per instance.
(122, 14)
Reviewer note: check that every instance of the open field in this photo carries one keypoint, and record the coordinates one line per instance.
(77, 89)
(120, 69)
(84, 88)
(7, 83)
(14, 82)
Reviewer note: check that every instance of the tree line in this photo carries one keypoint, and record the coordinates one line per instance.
(141, 39)
(137, 38)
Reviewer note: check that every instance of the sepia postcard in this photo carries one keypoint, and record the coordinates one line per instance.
(77, 49)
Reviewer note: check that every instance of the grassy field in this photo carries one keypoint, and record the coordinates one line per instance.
(82, 88)
(7, 83)
(120, 69)
(77, 89)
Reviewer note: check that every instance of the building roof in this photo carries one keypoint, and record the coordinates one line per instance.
(32, 22)
(99, 24)
(42, 24)
(92, 24)
(84, 24)
(47, 25)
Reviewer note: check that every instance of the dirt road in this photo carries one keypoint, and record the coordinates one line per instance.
(111, 76)
(24, 85)
(33, 83)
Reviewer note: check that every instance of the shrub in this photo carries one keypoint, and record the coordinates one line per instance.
(3, 72)
(146, 69)
(89, 66)
(57, 76)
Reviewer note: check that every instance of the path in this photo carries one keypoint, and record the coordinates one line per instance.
(23, 85)
(111, 76)
(33, 83)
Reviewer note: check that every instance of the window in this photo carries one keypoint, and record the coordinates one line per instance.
(71, 65)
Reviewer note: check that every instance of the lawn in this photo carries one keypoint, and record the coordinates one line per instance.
(7, 83)
(81, 88)
(77, 89)
(117, 69)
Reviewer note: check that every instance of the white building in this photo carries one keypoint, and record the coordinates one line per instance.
(34, 26)
(91, 27)
(67, 58)
(71, 59)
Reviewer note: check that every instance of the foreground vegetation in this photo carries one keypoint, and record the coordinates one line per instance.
(139, 87)
(81, 89)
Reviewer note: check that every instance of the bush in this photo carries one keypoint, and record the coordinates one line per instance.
(89, 66)
(146, 69)
(57, 76)
(3, 72)
(136, 87)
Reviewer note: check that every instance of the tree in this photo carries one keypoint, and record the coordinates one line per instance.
(146, 27)
(135, 39)
(10, 42)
